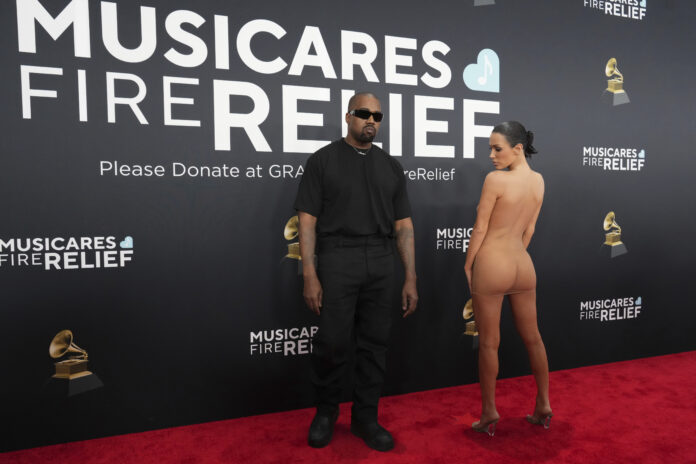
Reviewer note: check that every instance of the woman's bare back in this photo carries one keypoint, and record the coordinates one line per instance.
(502, 265)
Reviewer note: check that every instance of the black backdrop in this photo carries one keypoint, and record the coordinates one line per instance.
(170, 332)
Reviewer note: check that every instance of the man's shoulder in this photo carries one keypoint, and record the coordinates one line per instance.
(333, 147)
(380, 153)
(324, 153)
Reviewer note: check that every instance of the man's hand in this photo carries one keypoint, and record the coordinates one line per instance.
(409, 297)
(313, 293)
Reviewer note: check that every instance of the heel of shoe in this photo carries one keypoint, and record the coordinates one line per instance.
(488, 428)
(491, 428)
(547, 421)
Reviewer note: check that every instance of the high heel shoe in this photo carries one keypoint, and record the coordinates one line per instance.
(487, 427)
(544, 420)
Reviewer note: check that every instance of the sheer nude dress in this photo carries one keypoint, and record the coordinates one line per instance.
(502, 265)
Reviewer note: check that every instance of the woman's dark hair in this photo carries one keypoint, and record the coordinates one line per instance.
(515, 133)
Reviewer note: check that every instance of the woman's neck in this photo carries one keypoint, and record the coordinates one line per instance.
(519, 165)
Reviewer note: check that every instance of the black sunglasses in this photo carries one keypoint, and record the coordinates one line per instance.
(365, 114)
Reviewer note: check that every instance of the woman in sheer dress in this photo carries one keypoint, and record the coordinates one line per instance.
(497, 264)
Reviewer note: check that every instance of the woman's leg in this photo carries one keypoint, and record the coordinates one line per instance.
(487, 314)
(525, 315)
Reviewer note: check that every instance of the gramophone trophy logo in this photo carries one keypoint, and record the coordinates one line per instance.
(613, 236)
(72, 372)
(615, 84)
(291, 232)
(471, 328)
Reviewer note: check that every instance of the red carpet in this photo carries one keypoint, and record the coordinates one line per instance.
(638, 411)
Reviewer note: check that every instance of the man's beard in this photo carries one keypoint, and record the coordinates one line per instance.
(364, 137)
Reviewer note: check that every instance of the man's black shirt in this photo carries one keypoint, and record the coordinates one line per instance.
(351, 193)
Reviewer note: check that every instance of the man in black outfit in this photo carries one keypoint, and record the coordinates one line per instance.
(352, 204)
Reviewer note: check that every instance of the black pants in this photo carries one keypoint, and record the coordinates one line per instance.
(357, 278)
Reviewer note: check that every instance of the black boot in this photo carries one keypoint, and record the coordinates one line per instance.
(375, 436)
(321, 430)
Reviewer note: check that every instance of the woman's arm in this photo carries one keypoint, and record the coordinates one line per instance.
(492, 189)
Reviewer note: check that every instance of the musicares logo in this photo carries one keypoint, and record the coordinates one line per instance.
(614, 158)
(426, 67)
(611, 309)
(631, 9)
(289, 342)
(66, 253)
(453, 238)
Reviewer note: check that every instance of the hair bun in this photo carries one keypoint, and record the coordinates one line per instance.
(515, 133)
(530, 138)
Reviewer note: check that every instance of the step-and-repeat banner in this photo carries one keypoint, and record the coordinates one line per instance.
(152, 150)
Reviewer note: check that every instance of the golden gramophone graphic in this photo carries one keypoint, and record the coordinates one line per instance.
(291, 233)
(613, 235)
(468, 313)
(73, 367)
(615, 84)
(71, 377)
